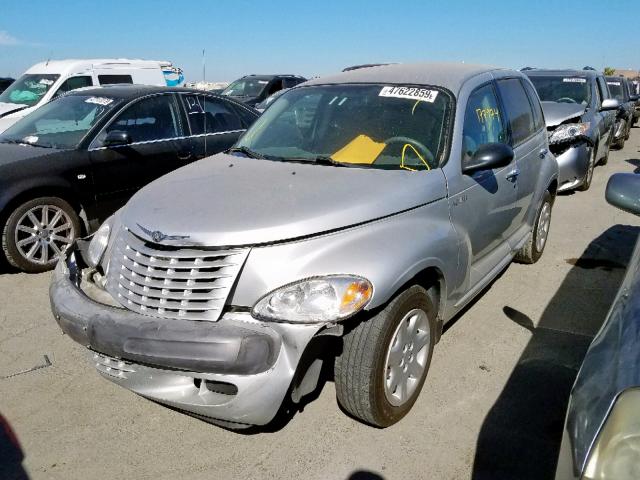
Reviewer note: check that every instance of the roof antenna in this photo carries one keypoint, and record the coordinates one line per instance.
(204, 67)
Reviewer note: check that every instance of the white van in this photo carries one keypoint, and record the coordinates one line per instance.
(47, 80)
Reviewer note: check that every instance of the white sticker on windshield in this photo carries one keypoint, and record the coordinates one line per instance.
(30, 139)
(262, 82)
(412, 93)
(575, 80)
(46, 81)
(99, 100)
(617, 84)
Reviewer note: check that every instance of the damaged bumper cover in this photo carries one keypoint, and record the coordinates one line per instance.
(237, 369)
(573, 163)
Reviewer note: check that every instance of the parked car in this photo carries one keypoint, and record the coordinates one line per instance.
(74, 161)
(579, 114)
(253, 89)
(48, 80)
(619, 88)
(5, 82)
(601, 438)
(262, 106)
(369, 208)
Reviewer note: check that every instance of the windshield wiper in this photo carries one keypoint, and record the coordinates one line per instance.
(18, 142)
(247, 151)
(326, 160)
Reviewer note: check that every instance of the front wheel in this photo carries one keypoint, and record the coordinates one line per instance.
(532, 250)
(385, 359)
(586, 183)
(37, 232)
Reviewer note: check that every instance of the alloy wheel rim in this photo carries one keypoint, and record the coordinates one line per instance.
(43, 233)
(406, 358)
(543, 226)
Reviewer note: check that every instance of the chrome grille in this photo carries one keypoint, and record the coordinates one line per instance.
(172, 282)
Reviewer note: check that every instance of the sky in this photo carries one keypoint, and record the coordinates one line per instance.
(320, 37)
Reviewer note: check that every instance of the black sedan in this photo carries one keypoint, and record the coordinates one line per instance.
(73, 162)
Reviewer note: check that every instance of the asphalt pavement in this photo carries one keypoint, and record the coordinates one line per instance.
(492, 407)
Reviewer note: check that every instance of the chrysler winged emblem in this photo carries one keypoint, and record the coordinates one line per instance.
(157, 236)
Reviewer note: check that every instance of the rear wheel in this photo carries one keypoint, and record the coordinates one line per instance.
(385, 359)
(532, 250)
(37, 232)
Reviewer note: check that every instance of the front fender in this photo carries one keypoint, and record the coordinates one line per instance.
(11, 190)
(388, 252)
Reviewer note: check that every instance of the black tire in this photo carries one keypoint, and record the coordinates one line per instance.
(10, 240)
(530, 251)
(588, 177)
(360, 370)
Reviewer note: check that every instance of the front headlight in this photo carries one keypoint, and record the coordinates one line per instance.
(569, 132)
(99, 243)
(616, 453)
(322, 299)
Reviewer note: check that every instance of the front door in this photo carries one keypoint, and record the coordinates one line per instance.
(157, 147)
(483, 204)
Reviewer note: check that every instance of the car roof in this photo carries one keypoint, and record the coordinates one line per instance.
(270, 77)
(127, 91)
(74, 65)
(562, 72)
(448, 75)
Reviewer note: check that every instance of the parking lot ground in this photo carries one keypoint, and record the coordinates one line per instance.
(492, 407)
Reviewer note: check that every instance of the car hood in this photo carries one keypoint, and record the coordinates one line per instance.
(228, 200)
(11, 153)
(555, 113)
(7, 108)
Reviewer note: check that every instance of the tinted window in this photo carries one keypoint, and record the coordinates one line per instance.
(538, 116)
(518, 109)
(73, 83)
(274, 87)
(111, 79)
(289, 82)
(209, 115)
(154, 118)
(482, 122)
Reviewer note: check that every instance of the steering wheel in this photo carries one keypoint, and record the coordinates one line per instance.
(424, 151)
(566, 100)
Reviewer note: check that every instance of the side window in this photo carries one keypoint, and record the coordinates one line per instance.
(482, 122)
(154, 118)
(289, 82)
(111, 79)
(538, 116)
(274, 87)
(518, 110)
(74, 82)
(604, 90)
(210, 115)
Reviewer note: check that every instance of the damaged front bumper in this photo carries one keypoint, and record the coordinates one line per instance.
(573, 163)
(236, 371)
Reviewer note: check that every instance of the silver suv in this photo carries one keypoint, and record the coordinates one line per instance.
(367, 208)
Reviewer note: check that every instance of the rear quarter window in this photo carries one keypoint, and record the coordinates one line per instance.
(112, 79)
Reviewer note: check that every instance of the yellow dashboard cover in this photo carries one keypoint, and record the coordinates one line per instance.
(361, 149)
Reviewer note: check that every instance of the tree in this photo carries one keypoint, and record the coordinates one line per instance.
(609, 71)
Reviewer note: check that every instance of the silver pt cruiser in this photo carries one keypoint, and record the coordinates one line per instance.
(367, 208)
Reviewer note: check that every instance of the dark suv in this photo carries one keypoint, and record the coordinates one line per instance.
(619, 88)
(580, 114)
(253, 89)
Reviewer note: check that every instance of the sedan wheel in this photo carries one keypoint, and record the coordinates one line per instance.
(38, 232)
(589, 175)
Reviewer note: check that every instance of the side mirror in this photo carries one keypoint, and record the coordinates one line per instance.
(634, 98)
(116, 138)
(609, 104)
(623, 191)
(488, 157)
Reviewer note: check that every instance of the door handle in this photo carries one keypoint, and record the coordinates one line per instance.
(543, 152)
(512, 176)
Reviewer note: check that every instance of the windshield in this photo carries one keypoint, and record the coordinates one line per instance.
(62, 123)
(28, 89)
(269, 100)
(617, 89)
(562, 89)
(374, 126)
(246, 87)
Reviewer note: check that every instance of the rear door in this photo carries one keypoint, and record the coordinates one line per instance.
(215, 124)
(527, 136)
(157, 147)
(605, 119)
